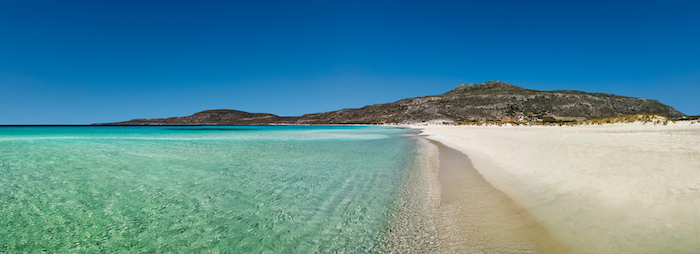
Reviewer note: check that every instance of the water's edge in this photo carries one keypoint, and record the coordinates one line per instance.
(414, 225)
(474, 217)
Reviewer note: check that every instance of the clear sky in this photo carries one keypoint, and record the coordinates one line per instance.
(81, 62)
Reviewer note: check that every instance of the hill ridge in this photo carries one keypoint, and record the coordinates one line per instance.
(493, 100)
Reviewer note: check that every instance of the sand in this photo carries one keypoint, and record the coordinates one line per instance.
(479, 218)
(619, 188)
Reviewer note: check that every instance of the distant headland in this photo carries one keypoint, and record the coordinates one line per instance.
(492, 100)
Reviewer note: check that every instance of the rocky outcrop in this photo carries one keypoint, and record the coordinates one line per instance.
(491, 100)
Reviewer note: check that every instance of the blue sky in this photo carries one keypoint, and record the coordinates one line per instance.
(81, 62)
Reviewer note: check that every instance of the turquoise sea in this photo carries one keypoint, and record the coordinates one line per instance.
(201, 189)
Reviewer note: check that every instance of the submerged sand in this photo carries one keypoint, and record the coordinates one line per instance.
(622, 188)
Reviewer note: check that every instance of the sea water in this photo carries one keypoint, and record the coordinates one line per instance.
(195, 189)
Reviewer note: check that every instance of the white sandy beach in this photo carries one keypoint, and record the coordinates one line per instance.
(617, 188)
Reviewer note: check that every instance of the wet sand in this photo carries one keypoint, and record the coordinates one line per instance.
(476, 218)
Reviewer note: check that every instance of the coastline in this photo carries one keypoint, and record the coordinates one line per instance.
(624, 188)
(446, 206)
(476, 218)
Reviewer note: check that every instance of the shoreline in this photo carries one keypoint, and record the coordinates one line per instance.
(477, 218)
(624, 188)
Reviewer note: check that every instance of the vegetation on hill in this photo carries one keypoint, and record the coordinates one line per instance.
(640, 118)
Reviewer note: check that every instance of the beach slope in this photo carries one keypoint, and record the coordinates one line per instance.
(617, 188)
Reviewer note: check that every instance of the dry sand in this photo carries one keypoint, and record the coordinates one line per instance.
(621, 188)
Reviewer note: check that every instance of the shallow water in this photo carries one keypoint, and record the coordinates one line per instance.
(223, 189)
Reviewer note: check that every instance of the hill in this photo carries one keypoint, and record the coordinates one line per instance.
(492, 100)
(495, 100)
(210, 117)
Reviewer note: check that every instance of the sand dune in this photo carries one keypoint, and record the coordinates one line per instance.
(621, 188)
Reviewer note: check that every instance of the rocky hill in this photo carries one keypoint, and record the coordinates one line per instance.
(211, 117)
(491, 100)
(495, 100)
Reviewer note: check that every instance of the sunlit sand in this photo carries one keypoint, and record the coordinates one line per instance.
(616, 188)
